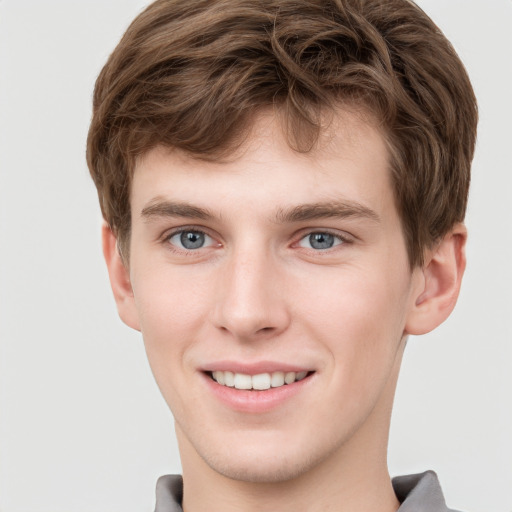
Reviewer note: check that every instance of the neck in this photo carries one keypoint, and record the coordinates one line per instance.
(360, 483)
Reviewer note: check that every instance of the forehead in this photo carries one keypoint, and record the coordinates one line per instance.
(349, 161)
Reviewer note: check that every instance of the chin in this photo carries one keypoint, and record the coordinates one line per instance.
(262, 466)
(265, 473)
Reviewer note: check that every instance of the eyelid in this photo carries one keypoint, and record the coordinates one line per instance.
(167, 235)
(305, 243)
(345, 237)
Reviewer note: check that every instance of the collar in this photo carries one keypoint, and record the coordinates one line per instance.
(416, 493)
(420, 493)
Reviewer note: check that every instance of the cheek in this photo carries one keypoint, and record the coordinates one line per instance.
(172, 307)
(169, 299)
(169, 311)
(359, 316)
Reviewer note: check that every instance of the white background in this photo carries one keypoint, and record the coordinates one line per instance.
(82, 425)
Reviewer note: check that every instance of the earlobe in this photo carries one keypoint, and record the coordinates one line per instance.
(441, 281)
(119, 279)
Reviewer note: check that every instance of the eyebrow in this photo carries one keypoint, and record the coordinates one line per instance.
(323, 210)
(304, 212)
(163, 208)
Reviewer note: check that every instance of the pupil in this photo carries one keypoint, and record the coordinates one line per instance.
(192, 239)
(321, 240)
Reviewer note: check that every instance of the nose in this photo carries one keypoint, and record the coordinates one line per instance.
(250, 299)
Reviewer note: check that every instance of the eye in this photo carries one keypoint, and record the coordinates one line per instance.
(321, 241)
(190, 239)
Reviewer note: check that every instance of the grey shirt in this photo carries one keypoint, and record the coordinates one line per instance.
(416, 493)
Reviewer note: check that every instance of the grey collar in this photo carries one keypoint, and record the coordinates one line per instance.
(420, 493)
(416, 493)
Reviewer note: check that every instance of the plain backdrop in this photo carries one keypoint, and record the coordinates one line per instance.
(82, 424)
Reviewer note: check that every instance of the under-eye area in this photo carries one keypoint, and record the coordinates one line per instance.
(259, 382)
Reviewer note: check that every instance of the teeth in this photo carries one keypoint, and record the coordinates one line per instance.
(229, 379)
(289, 377)
(243, 381)
(219, 377)
(261, 381)
(277, 379)
(258, 382)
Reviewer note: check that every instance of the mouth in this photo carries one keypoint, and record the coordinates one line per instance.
(258, 382)
(258, 388)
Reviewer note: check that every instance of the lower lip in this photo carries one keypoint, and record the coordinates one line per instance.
(242, 400)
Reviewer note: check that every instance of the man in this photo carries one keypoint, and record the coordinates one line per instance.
(284, 185)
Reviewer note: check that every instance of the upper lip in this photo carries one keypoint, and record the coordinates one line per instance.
(254, 368)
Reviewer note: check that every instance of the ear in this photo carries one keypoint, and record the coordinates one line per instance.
(440, 284)
(119, 279)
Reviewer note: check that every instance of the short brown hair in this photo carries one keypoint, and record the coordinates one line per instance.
(190, 74)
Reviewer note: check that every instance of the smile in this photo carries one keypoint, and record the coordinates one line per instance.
(259, 382)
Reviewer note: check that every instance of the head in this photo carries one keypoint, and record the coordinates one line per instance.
(196, 88)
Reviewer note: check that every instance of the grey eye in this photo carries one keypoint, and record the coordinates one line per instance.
(190, 240)
(320, 241)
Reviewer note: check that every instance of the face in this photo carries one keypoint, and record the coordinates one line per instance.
(272, 291)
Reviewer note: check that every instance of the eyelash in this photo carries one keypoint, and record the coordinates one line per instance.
(342, 239)
(187, 252)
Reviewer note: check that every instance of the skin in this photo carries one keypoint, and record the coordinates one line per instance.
(257, 291)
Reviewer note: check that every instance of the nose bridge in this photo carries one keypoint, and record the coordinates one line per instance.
(249, 303)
